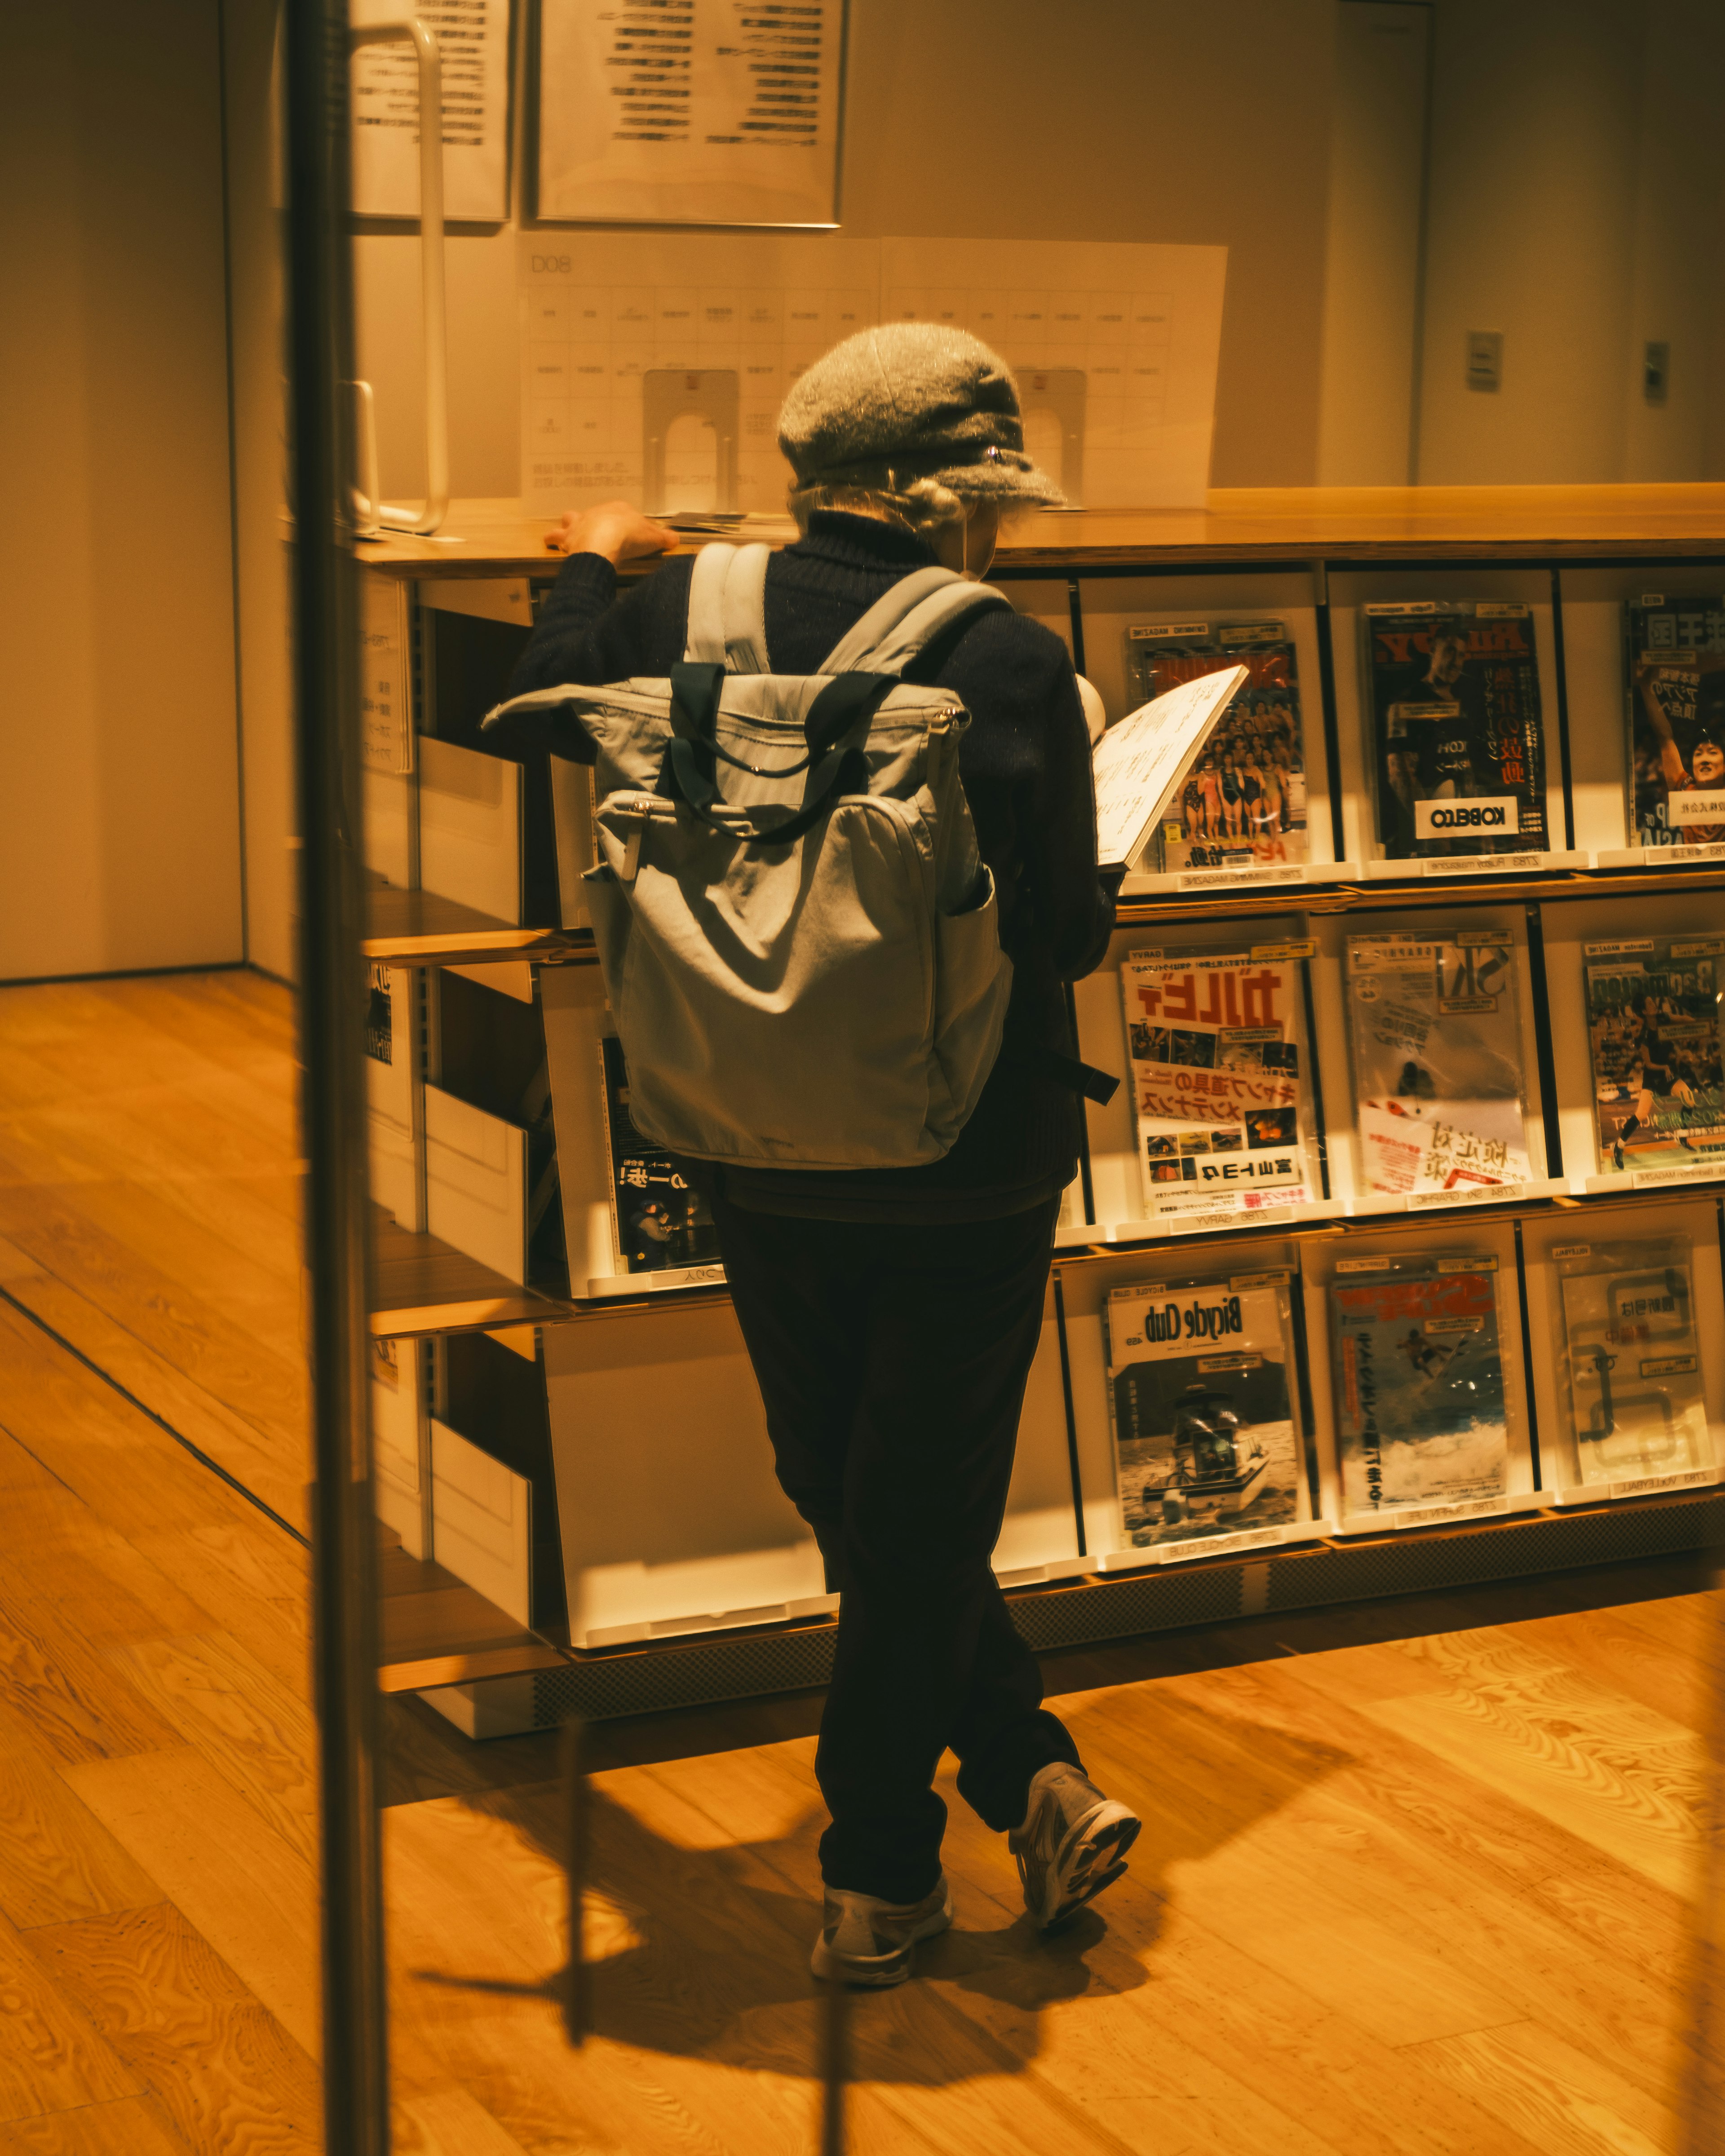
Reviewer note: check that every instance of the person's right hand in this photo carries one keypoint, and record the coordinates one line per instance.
(618, 530)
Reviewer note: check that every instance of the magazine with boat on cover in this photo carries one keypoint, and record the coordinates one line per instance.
(1202, 1403)
(1418, 1383)
(1218, 1091)
(1674, 654)
(1436, 1035)
(657, 1222)
(1458, 746)
(1657, 1029)
(1636, 1402)
(1240, 800)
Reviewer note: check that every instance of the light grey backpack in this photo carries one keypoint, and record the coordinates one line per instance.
(798, 936)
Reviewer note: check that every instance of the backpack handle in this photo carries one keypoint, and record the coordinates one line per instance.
(689, 773)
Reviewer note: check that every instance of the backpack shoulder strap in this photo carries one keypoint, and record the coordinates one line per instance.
(727, 608)
(901, 621)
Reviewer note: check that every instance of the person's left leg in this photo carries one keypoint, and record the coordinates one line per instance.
(927, 1655)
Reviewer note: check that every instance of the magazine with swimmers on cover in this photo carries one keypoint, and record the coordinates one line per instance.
(1419, 1382)
(1674, 654)
(1636, 1402)
(1241, 799)
(1203, 1402)
(657, 1222)
(1436, 1035)
(1657, 1029)
(1457, 742)
(1217, 1090)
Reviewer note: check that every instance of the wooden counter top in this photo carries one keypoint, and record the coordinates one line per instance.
(492, 538)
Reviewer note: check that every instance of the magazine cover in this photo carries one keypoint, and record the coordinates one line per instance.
(659, 1223)
(1457, 747)
(1675, 650)
(1419, 1382)
(1654, 1022)
(1636, 1398)
(1215, 1063)
(1200, 1396)
(1241, 800)
(1435, 1035)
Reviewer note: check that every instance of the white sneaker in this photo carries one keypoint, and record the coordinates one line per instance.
(1072, 1844)
(864, 1940)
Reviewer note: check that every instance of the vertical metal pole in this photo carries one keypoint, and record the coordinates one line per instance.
(578, 1994)
(835, 2065)
(332, 994)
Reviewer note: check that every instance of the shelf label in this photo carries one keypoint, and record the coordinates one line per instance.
(1431, 1516)
(1488, 1263)
(1481, 1194)
(1660, 856)
(1280, 953)
(1216, 879)
(1571, 1250)
(688, 1276)
(1483, 864)
(1219, 1545)
(1693, 1171)
(1692, 1478)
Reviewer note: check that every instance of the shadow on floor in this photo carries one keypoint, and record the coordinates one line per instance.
(709, 1945)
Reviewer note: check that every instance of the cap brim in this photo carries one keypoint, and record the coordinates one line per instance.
(1025, 487)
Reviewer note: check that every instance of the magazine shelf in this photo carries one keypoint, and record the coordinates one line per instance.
(606, 1417)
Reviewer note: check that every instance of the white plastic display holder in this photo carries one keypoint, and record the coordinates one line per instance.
(1244, 1541)
(1160, 1229)
(1544, 1243)
(1435, 867)
(1658, 857)
(1466, 1198)
(1294, 876)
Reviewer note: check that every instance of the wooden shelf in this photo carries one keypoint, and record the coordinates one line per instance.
(421, 1287)
(1214, 905)
(1339, 525)
(418, 928)
(435, 1631)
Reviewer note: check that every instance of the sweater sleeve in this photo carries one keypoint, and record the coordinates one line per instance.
(586, 635)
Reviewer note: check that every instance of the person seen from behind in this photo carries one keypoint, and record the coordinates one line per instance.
(891, 1314)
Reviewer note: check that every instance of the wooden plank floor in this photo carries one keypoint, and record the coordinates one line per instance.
(1415, 1876)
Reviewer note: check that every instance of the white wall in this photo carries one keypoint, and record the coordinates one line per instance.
(260, 543)
(1572, 208)
(120, 810)
(1371, 311)
(1136, 119)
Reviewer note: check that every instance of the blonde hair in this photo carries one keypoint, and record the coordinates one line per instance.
(922, 508)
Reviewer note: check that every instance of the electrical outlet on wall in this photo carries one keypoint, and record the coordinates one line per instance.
(1485, 359)
(1656, 371)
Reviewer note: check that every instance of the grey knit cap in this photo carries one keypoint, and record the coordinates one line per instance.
(912, 401)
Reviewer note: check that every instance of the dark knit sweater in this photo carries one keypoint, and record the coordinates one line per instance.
(1026, 764)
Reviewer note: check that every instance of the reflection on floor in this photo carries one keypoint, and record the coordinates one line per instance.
(1412, 1880)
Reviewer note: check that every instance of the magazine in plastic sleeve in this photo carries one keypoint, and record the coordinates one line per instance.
(1435, 1035)
(1202, 1399)
(1419, 1384)
(1457, 742)
(1656, 1033)
(1674, 658)
(1239, 802)
(658, 1222)
(1218, 1092)
(1636, 1402)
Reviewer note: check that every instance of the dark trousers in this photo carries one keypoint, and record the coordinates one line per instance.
(892, 1362)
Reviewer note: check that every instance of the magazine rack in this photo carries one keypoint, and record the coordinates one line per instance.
(537, 1426)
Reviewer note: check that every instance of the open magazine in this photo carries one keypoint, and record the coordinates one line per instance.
(1138, 762)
